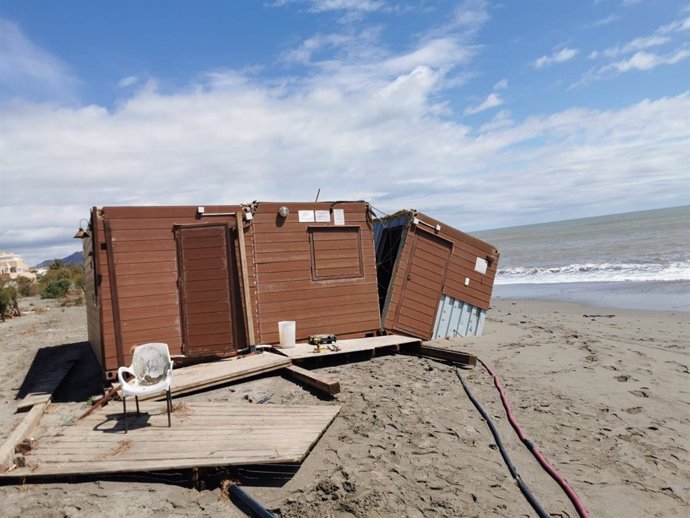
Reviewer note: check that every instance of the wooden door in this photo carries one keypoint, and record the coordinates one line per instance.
(205, 284)
(423, 284)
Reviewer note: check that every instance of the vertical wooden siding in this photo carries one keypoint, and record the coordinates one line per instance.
(146, 272)
(423, 283)
(206, 282)
(290, 286)
(466, 249)
(93, 321)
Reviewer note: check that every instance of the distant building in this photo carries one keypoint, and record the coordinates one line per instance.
(14, 266)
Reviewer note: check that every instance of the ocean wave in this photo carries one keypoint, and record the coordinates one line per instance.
(591, 272)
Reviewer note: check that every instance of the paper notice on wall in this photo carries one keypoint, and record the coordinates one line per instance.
(481, 265)
(339, 216)
(305, 216)
(323, 216)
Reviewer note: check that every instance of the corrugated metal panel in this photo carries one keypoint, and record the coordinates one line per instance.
(457, 318)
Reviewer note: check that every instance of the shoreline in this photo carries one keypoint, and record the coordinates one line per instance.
(638, 295)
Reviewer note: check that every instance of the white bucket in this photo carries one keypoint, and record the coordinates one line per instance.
(287, 330)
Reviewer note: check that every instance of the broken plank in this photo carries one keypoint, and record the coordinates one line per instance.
(23, 429)
(442, 353)
(320, 382)
(207, 375)
(55, 371)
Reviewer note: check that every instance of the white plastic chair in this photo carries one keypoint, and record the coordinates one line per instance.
(152, 372)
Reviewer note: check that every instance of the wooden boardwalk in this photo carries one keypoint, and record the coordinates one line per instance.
(305, 351)
(202, 435)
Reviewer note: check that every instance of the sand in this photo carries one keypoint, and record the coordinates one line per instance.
(606, 398)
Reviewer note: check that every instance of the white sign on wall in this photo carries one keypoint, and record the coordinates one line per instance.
(306, 216)
(481, 265)
(323, 216)
(339, 216)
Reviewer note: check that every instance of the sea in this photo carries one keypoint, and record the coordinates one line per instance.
(637, 260)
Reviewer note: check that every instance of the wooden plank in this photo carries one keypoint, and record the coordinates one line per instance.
(320, 382)
(180, 212)
(114, 297)
(53, 366)
(202, 435)
(23, 429)
(320, 289)
(303, 351)
(248, 314)
(205, 375)
(441, 353)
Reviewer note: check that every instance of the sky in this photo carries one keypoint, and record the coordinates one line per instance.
(483, 114)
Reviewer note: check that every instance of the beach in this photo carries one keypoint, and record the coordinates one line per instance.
(602, 392)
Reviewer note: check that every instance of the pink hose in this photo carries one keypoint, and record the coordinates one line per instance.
(579, 506)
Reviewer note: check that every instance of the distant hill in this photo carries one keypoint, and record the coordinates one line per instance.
(75, 258)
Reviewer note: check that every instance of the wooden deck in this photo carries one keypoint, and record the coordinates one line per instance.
(304, 351)
(202, 435)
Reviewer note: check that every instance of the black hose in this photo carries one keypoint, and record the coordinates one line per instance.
(513, 472)
(247, 503)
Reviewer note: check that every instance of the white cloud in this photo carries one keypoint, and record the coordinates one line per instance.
(676, 26)
(559, 56)
(354, 58)
(636, 44)
(601, 22)
(247, 140)
(640, 58)
(471, 13)
(348, 5)
(501, 85)
(352, 10)
(27, 69)
(128, 81)
(646, 61)
(659, 37)
(365, 123)
(492, 101)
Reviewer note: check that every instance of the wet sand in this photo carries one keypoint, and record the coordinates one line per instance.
(654, 295)
(604, 393)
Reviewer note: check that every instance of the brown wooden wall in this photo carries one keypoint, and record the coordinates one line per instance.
(321, 275)
(144, 267)
(461, 264)
(93, 319)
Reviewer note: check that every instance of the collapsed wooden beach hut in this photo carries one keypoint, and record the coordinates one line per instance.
(434, 281)
(186, 276)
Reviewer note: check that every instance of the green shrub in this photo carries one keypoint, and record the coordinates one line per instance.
(26, 287)
(8, 299)
(54, 289)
